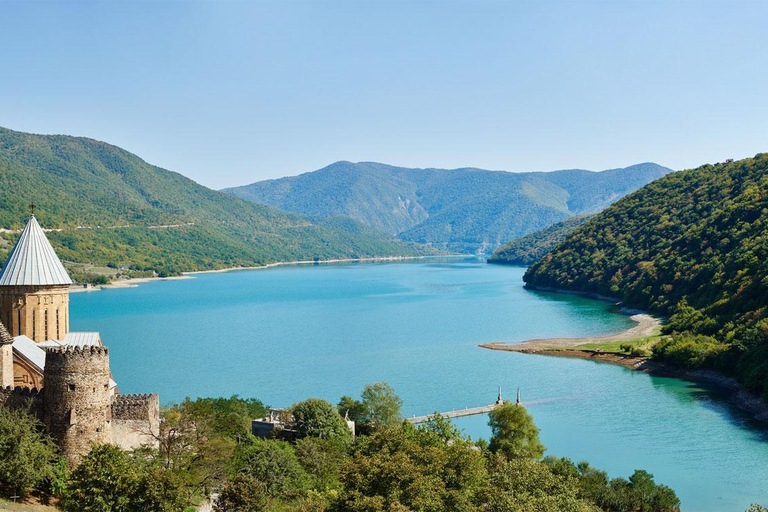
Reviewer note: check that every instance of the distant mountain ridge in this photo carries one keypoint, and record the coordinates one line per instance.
(113, 208)
(466, 210)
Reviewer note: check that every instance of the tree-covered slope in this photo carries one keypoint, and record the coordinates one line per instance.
(693, 245)
(530, 248)
(114, 208)
(467, 210)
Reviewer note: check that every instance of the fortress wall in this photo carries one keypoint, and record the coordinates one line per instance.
(23, 398)
(136, 420)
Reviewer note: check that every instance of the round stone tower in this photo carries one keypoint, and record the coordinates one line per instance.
(77, 401)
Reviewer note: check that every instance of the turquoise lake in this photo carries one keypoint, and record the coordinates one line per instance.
(286, 334)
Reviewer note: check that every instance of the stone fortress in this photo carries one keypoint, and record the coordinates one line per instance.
(62, 377)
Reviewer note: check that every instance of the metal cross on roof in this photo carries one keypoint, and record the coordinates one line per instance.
(32, 207)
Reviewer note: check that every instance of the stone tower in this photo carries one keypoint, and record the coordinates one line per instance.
(34, 288)
(6, 358)
(77, 400)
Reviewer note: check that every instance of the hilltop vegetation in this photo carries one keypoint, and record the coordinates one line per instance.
(115, 209)
(465, 210)
(692, 245)
(530, 248)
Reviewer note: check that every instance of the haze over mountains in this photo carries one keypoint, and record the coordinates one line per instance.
(464, 210)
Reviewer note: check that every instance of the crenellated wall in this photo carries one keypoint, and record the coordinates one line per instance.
(135, 420)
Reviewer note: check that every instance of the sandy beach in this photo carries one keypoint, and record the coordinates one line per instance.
(646, 325)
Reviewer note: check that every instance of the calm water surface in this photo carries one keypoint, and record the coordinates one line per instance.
(286, 334)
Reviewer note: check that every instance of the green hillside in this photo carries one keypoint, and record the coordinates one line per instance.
(530, 248)
(113, 208)
(693, 245)
(465, 210)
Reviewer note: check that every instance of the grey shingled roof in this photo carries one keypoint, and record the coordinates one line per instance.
(33, 261)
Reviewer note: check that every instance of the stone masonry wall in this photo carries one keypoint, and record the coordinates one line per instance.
(136, 420)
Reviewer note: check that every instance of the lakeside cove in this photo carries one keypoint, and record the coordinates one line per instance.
(647, 326)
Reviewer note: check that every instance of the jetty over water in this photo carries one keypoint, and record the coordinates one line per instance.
(471, 411)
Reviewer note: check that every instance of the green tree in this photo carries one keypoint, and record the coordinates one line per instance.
(27, 456)
(318, 418)
(354, 409)
(109, 479)
(273, 463)
(381, 405)
(242, 493)
(322, 460)
(514, 432)
(192, 446)
(403, 468)
(226, 417)
(522, 484)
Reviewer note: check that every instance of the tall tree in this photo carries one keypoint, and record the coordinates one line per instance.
(318, 418)
(514, 433)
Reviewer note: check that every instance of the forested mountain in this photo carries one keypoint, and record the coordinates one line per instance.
(114, 208)
(530, 248)
(466, 210)
(692, 245)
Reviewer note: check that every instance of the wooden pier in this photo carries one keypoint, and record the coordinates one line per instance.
(471, 411)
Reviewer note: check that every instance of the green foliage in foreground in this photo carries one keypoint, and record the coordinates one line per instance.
(109, 479)
(205, 447)
(28, 458)
(530, 248)
(114, 208)
(692, 245)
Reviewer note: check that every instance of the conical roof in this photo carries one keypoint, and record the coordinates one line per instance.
(5, 336)
(33, 261)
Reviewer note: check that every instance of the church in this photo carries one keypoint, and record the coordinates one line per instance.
(63, 377)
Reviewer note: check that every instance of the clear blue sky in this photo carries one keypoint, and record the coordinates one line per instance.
(229, 93)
